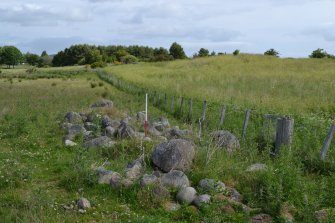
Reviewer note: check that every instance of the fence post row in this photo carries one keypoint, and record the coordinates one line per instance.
(245, 124)
(327, 142)
(284, 133)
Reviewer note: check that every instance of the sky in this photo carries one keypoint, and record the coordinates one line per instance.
(292, 27)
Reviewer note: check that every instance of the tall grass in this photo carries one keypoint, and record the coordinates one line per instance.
(267, 83)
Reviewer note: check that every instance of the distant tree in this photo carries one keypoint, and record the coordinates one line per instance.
(236, 52)
(44, 53)
(177, 51)
(203, 52)
(32, 59)
(10, 55)
(213, 53)
(161, 54)
(271, 52)
(121, 53)
(319, 53)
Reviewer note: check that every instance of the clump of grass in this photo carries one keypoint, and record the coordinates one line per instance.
(53, 84)
(93, 85)
(101, 84)
(104, 94)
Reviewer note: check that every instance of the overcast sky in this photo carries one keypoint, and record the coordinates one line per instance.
(293, 27)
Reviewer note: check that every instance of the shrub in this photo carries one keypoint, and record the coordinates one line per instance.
(236, 52)
(271, 52)
(93, 85)
(129, 59)
(98, 64)
(321, 53)
(31, 70)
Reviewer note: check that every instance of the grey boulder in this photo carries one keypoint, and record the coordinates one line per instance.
(175, 179)
(102, 141)
(103, 103)
(83, 203)
(225, 139)
(126, 131)
(186, 195)
(73, 118)
(202, 199)
(133, 170)
(177, 154)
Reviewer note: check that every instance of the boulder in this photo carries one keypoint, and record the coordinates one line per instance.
(105, 176)
(158, 126)
(140, 116)
(256, 167)
(133, 170)
(261, 218)
(210, 185)
(234, 194)
(149, 179)
(126, 131)
(175, 154)
(225, 139)
(202, 199)
(175, 179)
(161, 192)
(73, 118)
(106, 121)
(89, 126)
(153, 131)
(165, 122)
(83, 203)
(176, 133)
(110, 131)
(74, 131)
(103, 103)
(102, 141)
(186, 195)
(116, 181)
(88, 135)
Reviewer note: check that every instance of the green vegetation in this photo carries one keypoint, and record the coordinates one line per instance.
(271, 52)
(10, 55)
(268, 84)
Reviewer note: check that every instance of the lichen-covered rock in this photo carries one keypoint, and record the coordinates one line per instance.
(175, 179)
(186, 195)
(103, 103)
(202, 199)
(73, 118)
(106, 121)
(176, 133)
(133, 170)
(83, 203)
(110, 131)
(89, 126)
(74, 131)
(105, 176)
(177, 154)
(149, 179)
(102, 141)
(126, 131)
(211, 185)
(225, 139)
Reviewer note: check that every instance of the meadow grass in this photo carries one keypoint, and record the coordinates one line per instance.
(286, 86)
(38, 174)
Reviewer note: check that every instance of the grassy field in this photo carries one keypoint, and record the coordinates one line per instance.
(39, 175)
(285, 86)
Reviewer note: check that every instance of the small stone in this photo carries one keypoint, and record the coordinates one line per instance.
(148, 180)
(202, 199)
(186, 195)
(70, 143)
(256, 167)
(115, 181)
(133, 170)
(262, 218)
(83, 203)
(171, 206)
(226, 140)
(206, 185)
(102, 141)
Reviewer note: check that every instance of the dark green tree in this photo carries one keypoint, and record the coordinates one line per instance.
(32, 59)
(10, 55)
(319, 53)
(236, 52)
(177, 51)
(203, 52)
(44, 53)
(271, 52)
(161, 54)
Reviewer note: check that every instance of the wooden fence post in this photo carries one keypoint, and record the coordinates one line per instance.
(154, 99)
(284, 133)
(326, 143)
(203, 115)
(159, 99)
(245, 124)
(165, 101)
(222, 114)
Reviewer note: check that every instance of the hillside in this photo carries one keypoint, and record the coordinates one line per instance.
(284, 86)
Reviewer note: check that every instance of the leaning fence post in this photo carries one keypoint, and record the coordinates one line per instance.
(245, 124)
(203, 115)
(326, 143)
(284, 133)
(222, 115)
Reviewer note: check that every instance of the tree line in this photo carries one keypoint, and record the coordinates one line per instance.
(99, 56)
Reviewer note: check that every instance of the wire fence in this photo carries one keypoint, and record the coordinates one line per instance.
(253, 128)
